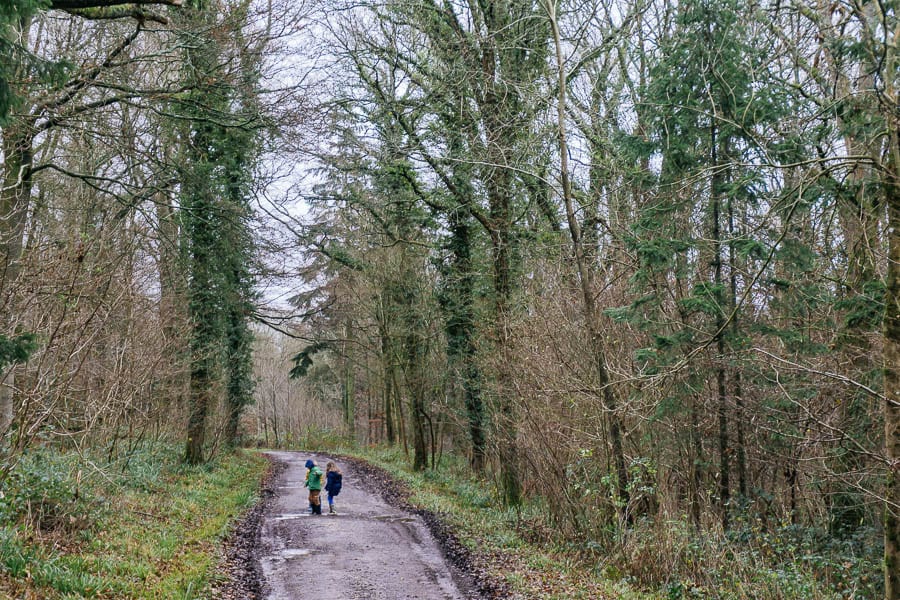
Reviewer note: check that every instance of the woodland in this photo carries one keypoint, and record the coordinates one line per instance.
(635, 263)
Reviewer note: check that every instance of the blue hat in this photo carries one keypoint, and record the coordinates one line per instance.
(310, 463)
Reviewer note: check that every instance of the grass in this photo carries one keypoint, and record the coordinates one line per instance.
(658, 560)
(148, 528)
(514, 541)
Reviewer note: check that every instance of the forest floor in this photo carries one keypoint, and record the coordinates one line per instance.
(375, 547)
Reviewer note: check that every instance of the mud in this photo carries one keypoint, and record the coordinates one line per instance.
(240, 575)
(374, 548)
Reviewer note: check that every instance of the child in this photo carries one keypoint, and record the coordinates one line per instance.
(334, 478)
(314, 483)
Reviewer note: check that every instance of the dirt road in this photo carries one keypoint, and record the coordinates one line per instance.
(368, 551)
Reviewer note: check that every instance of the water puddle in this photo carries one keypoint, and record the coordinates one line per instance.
(393, 519)
(295, 552)
(290, 516)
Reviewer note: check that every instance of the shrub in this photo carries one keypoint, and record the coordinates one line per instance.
(42, 492)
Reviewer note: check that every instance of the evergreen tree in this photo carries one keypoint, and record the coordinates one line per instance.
(704, 111)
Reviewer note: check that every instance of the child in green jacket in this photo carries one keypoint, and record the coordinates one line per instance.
(314, 483)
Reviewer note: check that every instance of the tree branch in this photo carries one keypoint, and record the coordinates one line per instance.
(82, 4)
(99, 14)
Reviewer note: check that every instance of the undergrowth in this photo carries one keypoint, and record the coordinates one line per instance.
(517, 545)
(140, 526)
(651, 560)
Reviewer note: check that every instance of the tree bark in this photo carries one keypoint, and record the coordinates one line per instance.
(586, 279)
(15, 197)
(461, 334)
(892, 382)
(721, 389)
(740, 451)
(82, 4)
(349, 384)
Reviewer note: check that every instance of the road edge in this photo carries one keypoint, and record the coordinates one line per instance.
(239, 565)
(465, 562)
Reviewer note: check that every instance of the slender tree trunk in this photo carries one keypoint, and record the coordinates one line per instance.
(586, 278)
(415, 352)
(388, 407)
(510, 478)
(398, 408)
(171, 302)
(387, 372)
(500, 136)
(349, 384)
(414, 370)
(15, 197)
(239, 376)
(892, 381)
(418, 417)
(696, 455)
(741, 454)
(721, 390)
(275, 429)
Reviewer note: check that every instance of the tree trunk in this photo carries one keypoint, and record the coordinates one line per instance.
(172, 316)
(200, 401)
(461, 333)
(418, 418)
(387, 373)
(275, 430)
(14, 200)
(741, 454)
(721, 390)
(892, 382)
(388, 406)
(349, 384)
(398, 408)
(15, 196)
(696, 455)
(239, 372)
(586, 278)
(510, 478)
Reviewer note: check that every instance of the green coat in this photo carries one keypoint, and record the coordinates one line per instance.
(314, 479)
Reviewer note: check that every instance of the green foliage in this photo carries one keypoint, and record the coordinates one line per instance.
(796, 256)
(17, 349)
(221, 130)
(67, 578)
(303, 360)
(705, 299)
(147, 527)
(16, 62)
(659, 253)
(42, 491)
(750, 248)
(17, 9)
(865, 310)
(753, 563)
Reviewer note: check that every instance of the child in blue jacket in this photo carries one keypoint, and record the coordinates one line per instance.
(333, 482)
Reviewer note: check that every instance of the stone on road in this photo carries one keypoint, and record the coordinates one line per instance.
(368, 551)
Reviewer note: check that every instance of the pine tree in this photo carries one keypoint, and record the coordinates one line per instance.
(707, 71)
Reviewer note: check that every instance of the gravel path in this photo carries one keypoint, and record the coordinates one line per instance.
(369, 550)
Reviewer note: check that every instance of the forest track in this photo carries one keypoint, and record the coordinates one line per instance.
(372, 549)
